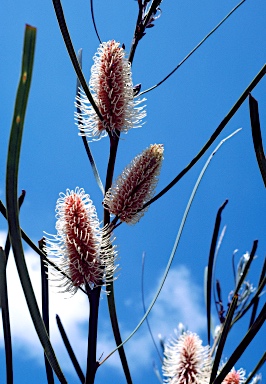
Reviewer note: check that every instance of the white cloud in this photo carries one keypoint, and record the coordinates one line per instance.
(179, 301)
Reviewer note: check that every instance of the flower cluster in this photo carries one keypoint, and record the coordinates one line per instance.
(186, 361)
(135, 186)
(81, 249)
(235, 377)
(112, 89)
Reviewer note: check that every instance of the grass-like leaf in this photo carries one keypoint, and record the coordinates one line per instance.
(256, 135)
(116, 332)
(247, 266)
(145, 309)
(194, 49)
(5, 318)
(94, 23)
(235, 356)
(70, 350)
(253, 302)
(223, 337)
(256, 369)
(12, 200)
(229, 317)
(8, 244)
(210, 267)
(256, 300)
(178, 237)
(213, 137)
(70, 49)
(45, 309)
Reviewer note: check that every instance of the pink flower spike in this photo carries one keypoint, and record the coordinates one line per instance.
(112, 89)
(79, 248)
(235, 377)
(186, 361)
(135, 186)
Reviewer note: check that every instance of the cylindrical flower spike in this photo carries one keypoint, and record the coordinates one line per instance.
(81, 249)
(135, 186)
(186, 361)
(112, 89)
(235, 377)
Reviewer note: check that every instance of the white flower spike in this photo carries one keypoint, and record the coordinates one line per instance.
(112, 89)
(135, 186)
(78, 249)
(186, 361)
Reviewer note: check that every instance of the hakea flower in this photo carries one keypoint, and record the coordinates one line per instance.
(186, 361)
(135, 186)
(112, 89)
(235, 377)
(84, 251)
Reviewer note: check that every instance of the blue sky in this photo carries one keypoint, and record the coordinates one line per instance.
(181, 114)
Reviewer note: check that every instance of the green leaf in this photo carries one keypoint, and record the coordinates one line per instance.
(210, 267)
(70, 49)
(256, 135)
(223, 337)
(171, 258)
(8, 245)
(5, 317)
(255, 370)
(213, 137)
(235, 356)
(256, 300)
(45, 308)
(70, 350)
(12, 198)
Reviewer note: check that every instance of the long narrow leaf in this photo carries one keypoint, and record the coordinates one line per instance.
(195, 48)
(70, 49)
(45, 309)
(235, 356)
(12, 200)
(223, 337)
(145, 309)
(256, 369)
(8, 244)
(178, 237)
(116, 332)
(94, 23)
(5, 318)
(213, 137)
(210, 267)
(256, 135)
(70, 350)
(247, 266)
(256, 301)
